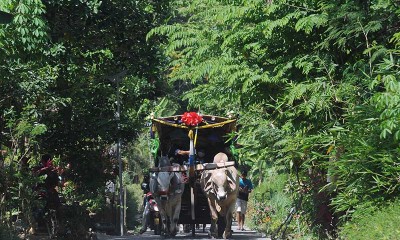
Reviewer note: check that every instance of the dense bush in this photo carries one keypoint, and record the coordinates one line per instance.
(69, 109)
(269, 210)
(268, 205)
(379, 224)
(5, 233)
(134, 201)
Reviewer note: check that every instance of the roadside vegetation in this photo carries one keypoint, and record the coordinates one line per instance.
(315, 86)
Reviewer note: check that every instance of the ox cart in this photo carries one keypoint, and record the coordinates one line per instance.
(191, 142)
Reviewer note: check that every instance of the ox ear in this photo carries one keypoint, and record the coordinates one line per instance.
(206, 181)
(153, 183)
(176, 182)
(232, 182)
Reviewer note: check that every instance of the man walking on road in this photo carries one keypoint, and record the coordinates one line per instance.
(146, 203)
(245, 187)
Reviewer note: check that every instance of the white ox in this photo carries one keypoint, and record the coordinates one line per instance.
(221, 187)
(167, 188)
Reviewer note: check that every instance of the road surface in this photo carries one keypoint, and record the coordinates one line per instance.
(237, 234)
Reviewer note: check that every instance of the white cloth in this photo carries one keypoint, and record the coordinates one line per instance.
(241, 206)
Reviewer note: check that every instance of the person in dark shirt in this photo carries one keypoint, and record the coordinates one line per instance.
(200, 156)
(146, 196)
(46, 191)
(245, 187)
(46, 167)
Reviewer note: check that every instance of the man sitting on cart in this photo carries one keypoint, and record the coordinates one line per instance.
(182, 156)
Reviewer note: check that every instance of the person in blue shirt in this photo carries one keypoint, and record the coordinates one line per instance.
(245, 187)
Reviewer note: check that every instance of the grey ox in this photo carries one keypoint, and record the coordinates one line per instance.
(221, 187)
(167, 187)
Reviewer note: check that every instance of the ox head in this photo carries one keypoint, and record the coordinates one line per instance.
(166, 183)
(163, 182)
(220, 182)
(160, 181)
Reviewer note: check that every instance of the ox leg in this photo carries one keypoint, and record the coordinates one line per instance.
(175, 218)
(164, 229)
(214, 218)
(213, 229)
(228, 227)
(169, 225)
(168, 219)
(228, 218)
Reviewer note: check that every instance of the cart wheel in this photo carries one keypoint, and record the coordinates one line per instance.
(193, 229)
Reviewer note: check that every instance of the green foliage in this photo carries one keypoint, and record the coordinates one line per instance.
(57, 63)
(6, 233)
(134, 204)
(29, 25)
(387, 100)
(93, 202)
(260, 155)
(369, 172)
(379, 224)
(268, 206)
(140, 158)
(315, 85)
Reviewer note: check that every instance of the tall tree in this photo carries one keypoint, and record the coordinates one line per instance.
(59, 61)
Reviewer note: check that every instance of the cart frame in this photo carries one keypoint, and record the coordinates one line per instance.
(213, 134)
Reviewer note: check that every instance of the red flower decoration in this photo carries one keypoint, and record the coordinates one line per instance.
(48, 164)
(191, 118)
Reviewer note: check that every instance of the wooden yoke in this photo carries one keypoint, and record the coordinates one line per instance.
(175, 168)
(211, 166)
(198, 167)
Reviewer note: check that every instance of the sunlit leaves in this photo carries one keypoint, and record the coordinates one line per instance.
(30, 24)
(387, 98)
(315, 83)
(308, 23)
